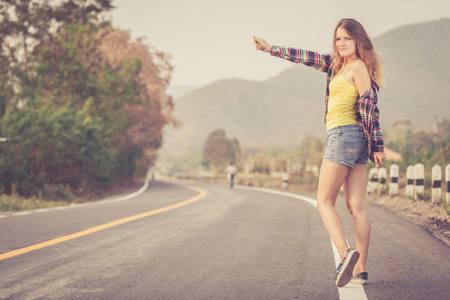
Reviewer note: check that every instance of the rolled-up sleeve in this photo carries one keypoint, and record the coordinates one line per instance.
(313, 59)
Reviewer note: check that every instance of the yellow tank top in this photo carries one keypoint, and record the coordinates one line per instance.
(342, 102)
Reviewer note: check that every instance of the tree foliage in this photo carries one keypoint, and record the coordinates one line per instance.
(310, 152)
(219, 150)
(425, 146)
(24, 24)
(84, 103)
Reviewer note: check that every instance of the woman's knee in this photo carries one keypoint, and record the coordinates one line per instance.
(356, 208)
(325, 203)
(350, 209)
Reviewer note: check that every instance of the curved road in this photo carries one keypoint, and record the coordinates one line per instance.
(207, 241)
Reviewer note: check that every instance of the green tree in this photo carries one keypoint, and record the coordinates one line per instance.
(219, 150)
(419, 145)
(24, 24)
(310, 151)
(154, 109)
(421, 141)
(55, 147)
(81, 118)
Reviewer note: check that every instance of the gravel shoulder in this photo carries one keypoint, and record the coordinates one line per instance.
(432, 217)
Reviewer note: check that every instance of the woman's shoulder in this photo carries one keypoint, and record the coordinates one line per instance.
(359, 67)
(359, 64)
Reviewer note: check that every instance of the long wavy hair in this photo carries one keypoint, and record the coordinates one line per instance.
(364, 49)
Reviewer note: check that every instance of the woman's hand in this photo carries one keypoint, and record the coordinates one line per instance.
(261, 44)
(379, 158)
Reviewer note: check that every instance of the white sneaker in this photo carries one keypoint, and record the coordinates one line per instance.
(360, 278)
(344, 271)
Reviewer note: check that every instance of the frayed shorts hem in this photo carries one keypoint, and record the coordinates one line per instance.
(344, 162)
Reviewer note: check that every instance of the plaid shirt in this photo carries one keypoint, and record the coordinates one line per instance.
(368, 112)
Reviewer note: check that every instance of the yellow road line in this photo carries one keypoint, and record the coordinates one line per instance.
(62, 239)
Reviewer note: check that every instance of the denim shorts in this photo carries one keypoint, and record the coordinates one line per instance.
(346, 145)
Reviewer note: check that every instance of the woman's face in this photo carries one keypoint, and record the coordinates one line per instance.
(345, 44)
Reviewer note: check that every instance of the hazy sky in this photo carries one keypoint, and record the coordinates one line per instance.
(211, 39)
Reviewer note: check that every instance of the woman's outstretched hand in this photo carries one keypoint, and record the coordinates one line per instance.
(261, 44)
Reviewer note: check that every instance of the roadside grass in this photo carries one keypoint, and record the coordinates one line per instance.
(447, 207)
(15, 203)
(62, 195)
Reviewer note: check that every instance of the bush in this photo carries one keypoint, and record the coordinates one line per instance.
(9, 203)
(57, 192)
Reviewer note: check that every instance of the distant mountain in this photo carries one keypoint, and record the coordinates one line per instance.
(291, 104)
(417, 63)
(180, 90)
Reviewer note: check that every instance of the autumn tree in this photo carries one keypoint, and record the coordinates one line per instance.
(428, 147)
(310, 151)
(85, 104)
(219, 150)
(154, 108)
(400, 132)
(443, 137)
(24, 24)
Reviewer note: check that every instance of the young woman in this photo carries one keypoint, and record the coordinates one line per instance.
(354, 135)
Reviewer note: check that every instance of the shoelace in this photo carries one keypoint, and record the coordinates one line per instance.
(338, 269)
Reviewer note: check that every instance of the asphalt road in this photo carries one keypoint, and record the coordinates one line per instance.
(222, 244)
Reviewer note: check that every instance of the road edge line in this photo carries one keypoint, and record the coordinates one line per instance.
(351, 290)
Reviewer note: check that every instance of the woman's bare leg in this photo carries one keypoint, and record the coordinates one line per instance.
(355, 191)
(331, 178)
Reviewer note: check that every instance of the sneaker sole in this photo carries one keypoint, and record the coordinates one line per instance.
(359, 281)
(345, 275)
